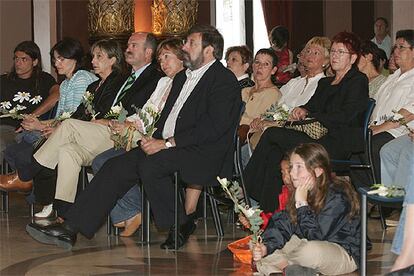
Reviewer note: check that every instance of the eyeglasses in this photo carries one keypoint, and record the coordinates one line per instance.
(58, 59)
(261, 64)
(312, 52)
(338, 52)
(401, 47)
(22, 59)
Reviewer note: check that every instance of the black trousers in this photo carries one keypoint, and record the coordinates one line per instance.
(115, 179)
(362, 177)
(44, 189)
(20, 158)
(263, 178)
(44, 186)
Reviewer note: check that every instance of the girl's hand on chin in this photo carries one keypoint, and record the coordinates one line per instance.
(301, 193)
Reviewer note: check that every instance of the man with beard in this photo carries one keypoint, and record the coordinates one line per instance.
(194, 137)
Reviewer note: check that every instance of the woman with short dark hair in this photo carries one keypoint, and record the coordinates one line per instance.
(370, 64)
(239, 60)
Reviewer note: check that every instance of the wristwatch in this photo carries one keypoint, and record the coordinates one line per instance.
(299, 204)
(168, 144)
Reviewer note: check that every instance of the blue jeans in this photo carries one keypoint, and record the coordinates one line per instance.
(397, 168)
(130, 204)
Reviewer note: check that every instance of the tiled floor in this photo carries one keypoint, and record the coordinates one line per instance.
(204, 254)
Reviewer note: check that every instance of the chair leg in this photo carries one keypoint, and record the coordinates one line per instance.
(5, 201)
(146, 219)
(4, 194)
(204, 204)
(32, 210)
(176, 199)
(216, 214)
(382, 218)
(363, 264)
(108, 225)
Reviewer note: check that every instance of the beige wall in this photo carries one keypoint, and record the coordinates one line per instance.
(15, 26)
(403, 15)
(338, 16)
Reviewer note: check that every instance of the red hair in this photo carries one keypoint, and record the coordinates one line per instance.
(351, 41)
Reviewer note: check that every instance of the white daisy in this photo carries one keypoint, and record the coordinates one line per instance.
(20, 107)
(36, 99)
(5, 105)
(21, 97)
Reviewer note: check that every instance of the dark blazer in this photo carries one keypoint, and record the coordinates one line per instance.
(103, 97)
(205, 126)
(141, 90)
(341, 108)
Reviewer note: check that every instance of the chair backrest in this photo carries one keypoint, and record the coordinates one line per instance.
(367, 117)
(242, 109)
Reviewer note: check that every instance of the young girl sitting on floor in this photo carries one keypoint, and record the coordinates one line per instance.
(320, 228)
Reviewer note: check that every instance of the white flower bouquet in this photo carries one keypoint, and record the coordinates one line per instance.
(387, 191)
(87, 101)
(119, 114)
(146, 119)
(235, 193)
(7, 110)
(276, 113)
(397, 118)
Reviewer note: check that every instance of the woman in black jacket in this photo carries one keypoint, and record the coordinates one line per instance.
(320, 228)
(338, 104)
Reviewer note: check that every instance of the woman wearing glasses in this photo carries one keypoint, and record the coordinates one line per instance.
(338, 104)
(394, 98)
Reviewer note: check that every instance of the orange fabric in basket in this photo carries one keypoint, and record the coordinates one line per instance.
(240, 248)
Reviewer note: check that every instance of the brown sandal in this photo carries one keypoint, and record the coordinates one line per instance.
(131, 225)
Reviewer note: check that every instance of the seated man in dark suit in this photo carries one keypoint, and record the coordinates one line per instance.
(194, 136)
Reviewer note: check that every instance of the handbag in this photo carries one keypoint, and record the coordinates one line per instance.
(310, 126)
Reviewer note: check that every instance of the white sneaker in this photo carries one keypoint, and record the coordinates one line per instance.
(46, 212)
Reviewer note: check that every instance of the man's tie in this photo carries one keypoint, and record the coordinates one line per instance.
(130, 81)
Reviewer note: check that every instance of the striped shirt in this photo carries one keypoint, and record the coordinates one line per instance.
(71, 91)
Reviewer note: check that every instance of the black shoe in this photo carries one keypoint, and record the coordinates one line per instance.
(409, 270)
(59, 234)
(295, 270)
(185, 231)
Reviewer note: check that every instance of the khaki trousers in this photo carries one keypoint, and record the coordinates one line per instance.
(72, 145)
(326, 257)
